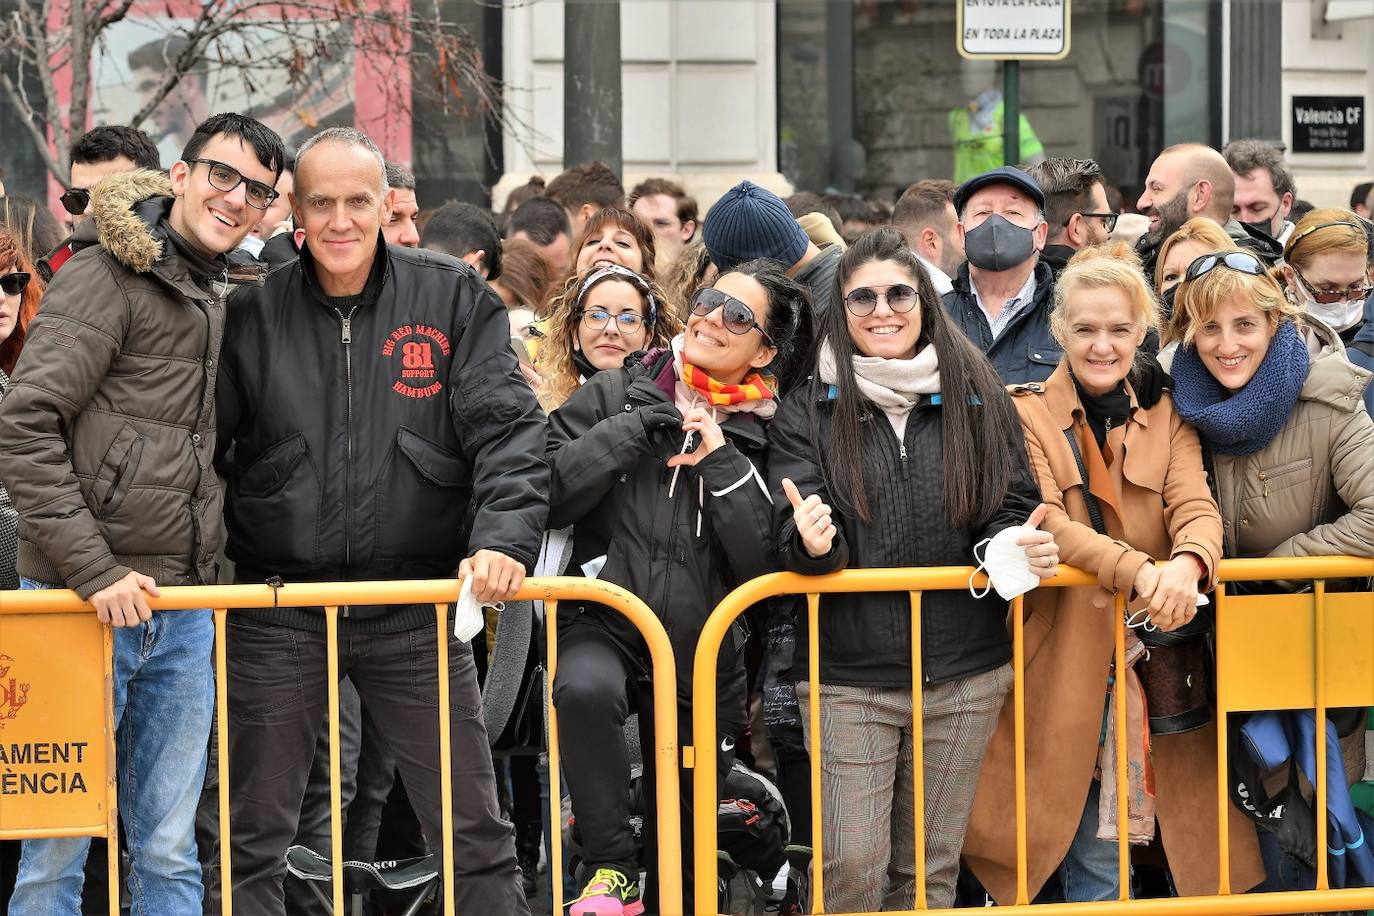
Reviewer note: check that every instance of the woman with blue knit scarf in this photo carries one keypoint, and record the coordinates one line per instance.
(1287, 439)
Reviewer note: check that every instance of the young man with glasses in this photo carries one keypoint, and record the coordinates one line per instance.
(106, 440)
(1076, 208)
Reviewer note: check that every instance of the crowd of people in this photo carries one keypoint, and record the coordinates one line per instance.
(258, 366)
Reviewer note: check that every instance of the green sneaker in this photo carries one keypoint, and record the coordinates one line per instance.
(609, 893)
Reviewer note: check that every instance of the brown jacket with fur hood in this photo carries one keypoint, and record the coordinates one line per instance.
(108, 431)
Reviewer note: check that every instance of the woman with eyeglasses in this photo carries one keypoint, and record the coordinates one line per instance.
(1128, 500)
(658, 468)
(1288, 443)
(902, 449)
(1326, 269)
(20, 292)
(607, 314)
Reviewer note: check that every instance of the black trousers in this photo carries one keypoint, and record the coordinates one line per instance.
(277, 700)
(593, 692)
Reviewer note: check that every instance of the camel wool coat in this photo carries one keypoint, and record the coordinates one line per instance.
(1155, 504)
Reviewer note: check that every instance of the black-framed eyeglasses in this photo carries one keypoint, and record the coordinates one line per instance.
(1108, 219)
(861, 302)
(75, 200)
(14, 283)
(1239, 261)
(1329, 297)
(738, 318)
(226, 178)
(625, 322)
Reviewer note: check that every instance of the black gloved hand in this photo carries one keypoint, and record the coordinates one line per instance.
(662, 428)
(1149, 380)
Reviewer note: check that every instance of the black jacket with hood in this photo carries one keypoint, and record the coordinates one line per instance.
(681, 545)
(372, 433)
(865, 638)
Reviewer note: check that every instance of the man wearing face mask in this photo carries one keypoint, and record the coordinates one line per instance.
(1002, 295)
(1264, 187)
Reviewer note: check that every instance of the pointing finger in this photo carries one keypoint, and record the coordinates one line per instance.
(793, 494)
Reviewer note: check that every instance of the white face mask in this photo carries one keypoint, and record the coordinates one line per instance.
(467, 617)
(1006, 563)
(1339, 316)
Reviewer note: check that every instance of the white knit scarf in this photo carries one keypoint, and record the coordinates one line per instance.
(894, 385)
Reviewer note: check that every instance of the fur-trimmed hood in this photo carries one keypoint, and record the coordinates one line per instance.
(119, 228)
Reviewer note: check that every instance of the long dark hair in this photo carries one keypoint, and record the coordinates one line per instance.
(977, 418)
(791, 320)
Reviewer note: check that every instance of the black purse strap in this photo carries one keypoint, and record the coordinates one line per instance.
(1094, 511)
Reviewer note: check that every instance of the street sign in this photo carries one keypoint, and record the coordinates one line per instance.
(1013, 29)
(55, 761)
(1328, 123)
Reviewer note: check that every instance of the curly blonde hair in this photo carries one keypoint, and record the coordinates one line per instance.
(555, 362)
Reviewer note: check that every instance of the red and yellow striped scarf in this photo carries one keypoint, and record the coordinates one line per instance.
(755, 387)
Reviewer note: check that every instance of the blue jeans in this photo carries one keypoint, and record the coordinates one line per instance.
(164, 691)
(1090, 870)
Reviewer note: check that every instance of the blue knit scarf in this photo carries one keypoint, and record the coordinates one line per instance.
(1247, 421)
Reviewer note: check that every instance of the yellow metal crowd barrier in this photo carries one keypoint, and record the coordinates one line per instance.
(1298, 651)
(62, 652)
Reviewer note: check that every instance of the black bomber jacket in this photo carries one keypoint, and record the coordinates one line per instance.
(382, 436)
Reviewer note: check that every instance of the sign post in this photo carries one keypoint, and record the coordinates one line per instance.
(1012, 31)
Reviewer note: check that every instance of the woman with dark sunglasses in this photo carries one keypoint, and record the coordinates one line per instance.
(20, 292)
(903, 449)
(1288, 444)
(658, 468)
(607, 314)
(1326, 269)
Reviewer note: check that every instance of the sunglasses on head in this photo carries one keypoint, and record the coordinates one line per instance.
(75, 200)
(1239, 261)
(13, 284)
(861, 302)
(737, 317)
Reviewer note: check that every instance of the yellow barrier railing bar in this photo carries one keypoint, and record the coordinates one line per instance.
(438, 592)
(555, 765)
(918, 772)
(445, 756)
(111, 780)
(813, 606)
(1123, 825)
(1223, 766)
(733, 605)
(331, 655)
(1018, 714)
(226, 890)
(1319, 730)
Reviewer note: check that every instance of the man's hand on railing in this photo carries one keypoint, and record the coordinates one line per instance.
(1040, 547)
(495, 576)
(122, 604)
(812, 518)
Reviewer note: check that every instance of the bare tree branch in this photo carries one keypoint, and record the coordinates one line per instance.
(283, 50)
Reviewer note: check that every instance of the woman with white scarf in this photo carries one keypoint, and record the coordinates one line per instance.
(903, 450)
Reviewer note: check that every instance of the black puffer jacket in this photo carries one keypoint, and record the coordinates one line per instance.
(361, 442)
(866, 638)
(612, 486)
(1025, 351)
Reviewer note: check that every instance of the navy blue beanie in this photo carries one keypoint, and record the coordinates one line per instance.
(752, 222)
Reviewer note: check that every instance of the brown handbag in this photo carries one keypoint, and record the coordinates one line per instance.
(1177, 670)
